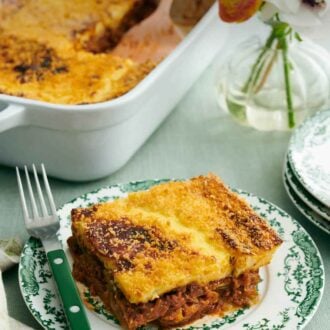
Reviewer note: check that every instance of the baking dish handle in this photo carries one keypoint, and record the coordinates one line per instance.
(12, 116)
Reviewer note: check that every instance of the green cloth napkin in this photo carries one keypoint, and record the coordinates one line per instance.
(10, 251)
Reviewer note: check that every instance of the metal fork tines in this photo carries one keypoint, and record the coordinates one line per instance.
(43, 224)
(39, 222)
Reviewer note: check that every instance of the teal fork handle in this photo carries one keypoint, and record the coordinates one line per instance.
(71, 301)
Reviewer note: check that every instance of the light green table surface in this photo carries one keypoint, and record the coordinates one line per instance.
(196, 138)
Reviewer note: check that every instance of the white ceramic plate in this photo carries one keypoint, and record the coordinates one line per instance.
(312, 216)
(304, 195)
(290, 290)
(309, 155)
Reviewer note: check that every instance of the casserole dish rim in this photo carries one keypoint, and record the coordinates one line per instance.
(129, 96)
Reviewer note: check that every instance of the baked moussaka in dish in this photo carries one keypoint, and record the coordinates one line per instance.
(33, 70)
(58, 51)
(172, 254)
(95, 26)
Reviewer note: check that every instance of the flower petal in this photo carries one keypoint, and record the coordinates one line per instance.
(238, 10)
(304, 18)
(284, 6)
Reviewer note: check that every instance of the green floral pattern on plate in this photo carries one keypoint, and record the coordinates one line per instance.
(295, 276)
(316, 219)
(38, 288)
(308, 154)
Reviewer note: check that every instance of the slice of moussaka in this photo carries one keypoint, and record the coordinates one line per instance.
(172, 254)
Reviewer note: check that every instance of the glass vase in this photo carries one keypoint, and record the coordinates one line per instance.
(262, 87)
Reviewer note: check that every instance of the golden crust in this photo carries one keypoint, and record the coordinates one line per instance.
(174, 234)
(47, 49)
(148, 254)
(33, 70)
(94, 26)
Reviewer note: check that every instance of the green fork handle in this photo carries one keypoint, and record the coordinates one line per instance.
(69, 294)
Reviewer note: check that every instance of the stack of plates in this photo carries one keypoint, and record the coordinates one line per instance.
(306, 173)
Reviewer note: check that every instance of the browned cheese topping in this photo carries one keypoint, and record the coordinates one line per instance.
(174, 234)
(58, 51)
(121, 241)
(173, 253)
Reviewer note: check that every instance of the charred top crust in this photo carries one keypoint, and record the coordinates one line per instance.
(239, 226)
(80, 214)
(30, 61)
(121, 241)
(95, 26)
(60, 52)
(32, 69)
(173, 234)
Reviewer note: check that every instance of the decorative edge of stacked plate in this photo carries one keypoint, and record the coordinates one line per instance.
(307, 205)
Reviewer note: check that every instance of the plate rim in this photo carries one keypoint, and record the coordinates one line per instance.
(302, 193)
(306, 213)
(295, 136)
(241, 192)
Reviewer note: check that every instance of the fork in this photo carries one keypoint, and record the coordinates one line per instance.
(44, 226)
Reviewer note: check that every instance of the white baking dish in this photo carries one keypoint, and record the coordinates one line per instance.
(86, 142)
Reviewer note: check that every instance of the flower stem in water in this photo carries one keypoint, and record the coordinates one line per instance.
(287, 68)
(259, 63)
(281, 32)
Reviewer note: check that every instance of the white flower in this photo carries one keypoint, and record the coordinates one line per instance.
(300, 14)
